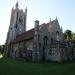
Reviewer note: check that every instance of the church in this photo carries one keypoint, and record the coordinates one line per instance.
(44, 42)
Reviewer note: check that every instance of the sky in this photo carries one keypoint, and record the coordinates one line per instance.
(41, 10)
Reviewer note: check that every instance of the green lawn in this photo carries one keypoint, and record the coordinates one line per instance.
(15, 67)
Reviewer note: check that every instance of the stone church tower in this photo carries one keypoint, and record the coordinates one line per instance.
(17, 23)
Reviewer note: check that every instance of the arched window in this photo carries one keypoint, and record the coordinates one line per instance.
(51, 40)
(50, 52)
(45, 40)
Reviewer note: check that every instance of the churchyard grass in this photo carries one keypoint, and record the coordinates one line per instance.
(10, 66)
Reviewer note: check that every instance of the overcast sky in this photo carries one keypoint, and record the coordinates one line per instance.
(41, 10)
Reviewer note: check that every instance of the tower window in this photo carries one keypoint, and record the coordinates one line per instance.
(20, 20)
(57, 33)
(16, 26)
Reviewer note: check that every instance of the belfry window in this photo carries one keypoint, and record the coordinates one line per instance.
(57, 35)
(16, 26)
(20, 20)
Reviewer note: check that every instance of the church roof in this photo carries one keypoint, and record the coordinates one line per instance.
(25, 36)
(30, 33)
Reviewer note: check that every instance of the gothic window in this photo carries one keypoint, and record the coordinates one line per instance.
(39, 45)
(50, 52)
(62, 52)
(51, 40)
(45, 40)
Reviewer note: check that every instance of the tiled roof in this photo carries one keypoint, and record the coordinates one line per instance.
(25, 36)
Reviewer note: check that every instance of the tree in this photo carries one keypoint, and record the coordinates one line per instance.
(73, 38)
(68, 35)
(2, 48)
